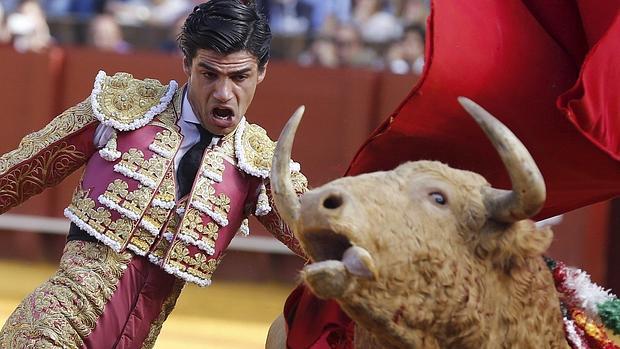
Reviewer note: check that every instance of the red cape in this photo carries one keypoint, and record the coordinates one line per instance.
(548, 69)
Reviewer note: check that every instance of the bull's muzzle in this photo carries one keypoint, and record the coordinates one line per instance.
(323, 226)
(327, 227)
(322, 220)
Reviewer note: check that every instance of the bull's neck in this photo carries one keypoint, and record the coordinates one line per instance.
(369, 323)
(525, 310)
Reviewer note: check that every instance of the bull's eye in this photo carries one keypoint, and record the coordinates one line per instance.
(438, 197)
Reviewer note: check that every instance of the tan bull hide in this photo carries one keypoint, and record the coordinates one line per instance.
(427, 256)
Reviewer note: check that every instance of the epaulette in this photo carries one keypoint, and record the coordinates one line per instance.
(254, 150)
(125, 103)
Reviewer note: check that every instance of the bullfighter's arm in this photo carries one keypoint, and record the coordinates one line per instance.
(44, 158)
(274, 224)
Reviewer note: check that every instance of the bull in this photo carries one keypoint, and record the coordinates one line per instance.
(427, 256)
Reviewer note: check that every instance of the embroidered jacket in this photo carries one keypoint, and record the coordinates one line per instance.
(126, 197)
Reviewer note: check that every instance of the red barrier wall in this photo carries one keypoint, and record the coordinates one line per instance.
(28, 93)
(581, 240)
(342, 108)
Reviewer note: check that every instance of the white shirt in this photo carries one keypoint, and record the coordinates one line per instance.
(187, 122)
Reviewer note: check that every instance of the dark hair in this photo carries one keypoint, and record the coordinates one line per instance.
(226, 26)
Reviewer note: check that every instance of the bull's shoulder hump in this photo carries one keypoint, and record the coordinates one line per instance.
(254, 149)
(126, 103)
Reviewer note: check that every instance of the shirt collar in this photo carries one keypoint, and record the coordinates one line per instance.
(187, 113)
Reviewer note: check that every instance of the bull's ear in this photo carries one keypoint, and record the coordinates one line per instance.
(509, 246)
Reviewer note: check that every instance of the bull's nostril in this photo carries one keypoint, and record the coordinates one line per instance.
(332, 202)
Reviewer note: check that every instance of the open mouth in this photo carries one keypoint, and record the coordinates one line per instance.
(326, 247)
(223, 113)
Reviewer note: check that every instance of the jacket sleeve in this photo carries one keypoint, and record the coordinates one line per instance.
(274, 224)
(44, 158)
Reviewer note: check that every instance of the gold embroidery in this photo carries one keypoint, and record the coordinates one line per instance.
(154, 168)
(141, 241)
(120, 229)
(160, 248)
(159, 252)
(192, 221)
(110, 150)
(117, 190)
(83, 208)
(156, 216)
(228, 147)
(299, 182)
(128, 203)
(201, 194)
(148, 172)
(137, 200)
(173, 223)
(64, 310)
(166, 191)
(132, 159)
(258, 148)
(221, 204)
(210, 232)
(166, 143)
(199, 234)
(168, 118)
(196, 265)
(151, 223)
(205, 196)
(166, 309)
(44, 170)
(276, 226)
(99, 219)
(70, 121)
(204, 190)
(42, 159)
(125, 99)
(226, 150)
(213, 165)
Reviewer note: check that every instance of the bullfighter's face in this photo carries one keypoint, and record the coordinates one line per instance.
(221, 87)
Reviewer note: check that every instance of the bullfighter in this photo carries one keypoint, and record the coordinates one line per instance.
(172, 174)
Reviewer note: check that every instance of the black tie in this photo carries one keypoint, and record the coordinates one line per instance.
(190, 162)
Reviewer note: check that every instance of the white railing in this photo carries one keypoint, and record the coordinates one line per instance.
(60, 226)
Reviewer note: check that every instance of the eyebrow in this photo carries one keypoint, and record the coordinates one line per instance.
(234, 72)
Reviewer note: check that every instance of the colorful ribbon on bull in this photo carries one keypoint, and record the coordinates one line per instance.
(586, 307)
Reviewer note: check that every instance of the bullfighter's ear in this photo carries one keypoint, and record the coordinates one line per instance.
(510, 246)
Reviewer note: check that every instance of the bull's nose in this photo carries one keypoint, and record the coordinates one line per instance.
(324, 203)
(332, 201)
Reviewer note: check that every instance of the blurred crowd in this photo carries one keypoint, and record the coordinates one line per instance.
(372, 34)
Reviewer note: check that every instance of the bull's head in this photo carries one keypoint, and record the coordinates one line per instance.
(426, 255)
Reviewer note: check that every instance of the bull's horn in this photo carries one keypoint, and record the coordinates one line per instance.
(528, 187)
(284, 196)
